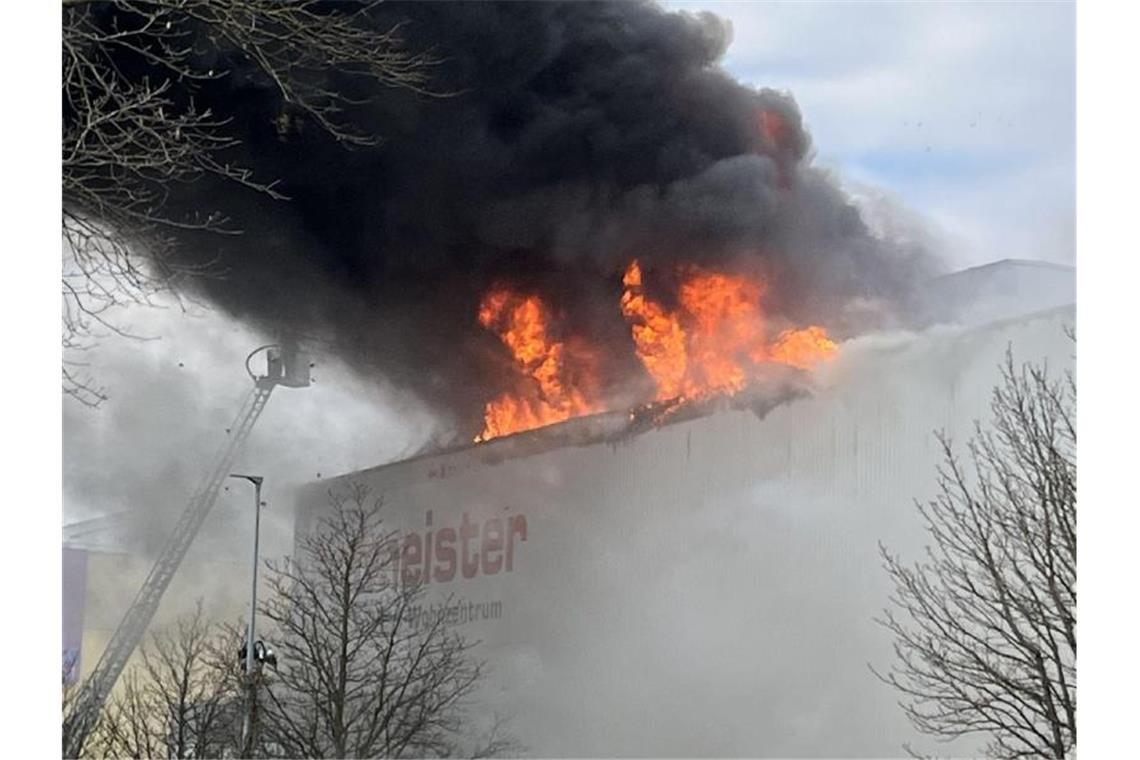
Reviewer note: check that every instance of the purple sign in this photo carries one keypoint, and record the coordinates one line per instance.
(74, 597)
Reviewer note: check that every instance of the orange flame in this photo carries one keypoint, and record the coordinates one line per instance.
(658, 336)
(774, 127)
(804, 348)
(713, 342)
(725, 311)
(554, 388)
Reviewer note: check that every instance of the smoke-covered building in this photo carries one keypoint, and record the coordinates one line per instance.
(707, 586)
(670, 586)
(697, 580)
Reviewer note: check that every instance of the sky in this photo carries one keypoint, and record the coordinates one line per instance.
(961, 112)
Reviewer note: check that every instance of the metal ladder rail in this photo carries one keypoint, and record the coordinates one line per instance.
(133, 626)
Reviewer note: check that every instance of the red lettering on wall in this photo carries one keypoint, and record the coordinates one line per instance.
(410, 559)
(492, 546)
(518, 528)
(486, 548)
(468, 531)
(445, 555)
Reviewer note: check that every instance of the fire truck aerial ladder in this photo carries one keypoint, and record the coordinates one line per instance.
(286, 366)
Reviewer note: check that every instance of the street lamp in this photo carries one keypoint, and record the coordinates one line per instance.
(247, 724)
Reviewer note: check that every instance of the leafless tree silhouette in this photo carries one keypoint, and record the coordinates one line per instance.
(131, 132)
(985, 626)
(364, 671)
(177, 701)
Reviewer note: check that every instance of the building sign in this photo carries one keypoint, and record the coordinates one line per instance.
(74, 594)
(465, 549)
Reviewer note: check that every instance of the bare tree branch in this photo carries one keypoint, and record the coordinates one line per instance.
(175, 702)
(134, 129)
(364, 672)
(985, 626)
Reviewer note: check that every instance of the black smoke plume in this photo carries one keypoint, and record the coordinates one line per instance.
(572, 137)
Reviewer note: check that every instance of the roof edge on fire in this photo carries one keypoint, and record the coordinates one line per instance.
(783, 385)
(780, 385)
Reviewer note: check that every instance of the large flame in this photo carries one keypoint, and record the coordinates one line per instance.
(715, 338)
(657, 335)
(557, 379)
(711, 343)
(726, 325)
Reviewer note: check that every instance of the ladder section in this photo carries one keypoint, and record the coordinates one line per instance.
(95, 690)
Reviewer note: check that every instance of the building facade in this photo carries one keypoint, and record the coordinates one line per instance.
(707, 587)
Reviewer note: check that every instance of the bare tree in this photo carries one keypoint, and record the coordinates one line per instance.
(985, 626)
(363, 671)
(177, 701)
(133, 129)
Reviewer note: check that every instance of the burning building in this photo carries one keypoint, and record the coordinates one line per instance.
(690, 387)
(713, 343)
(688, 578)
(701, 576)
(594, 172)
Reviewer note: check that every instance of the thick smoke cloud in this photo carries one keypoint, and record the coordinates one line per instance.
(573, 137)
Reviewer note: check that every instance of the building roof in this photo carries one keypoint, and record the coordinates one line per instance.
(102, 533)
(991, 294)
(1000, 290)
(779, 385)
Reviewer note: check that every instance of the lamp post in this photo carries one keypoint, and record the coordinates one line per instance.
(250, 656)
